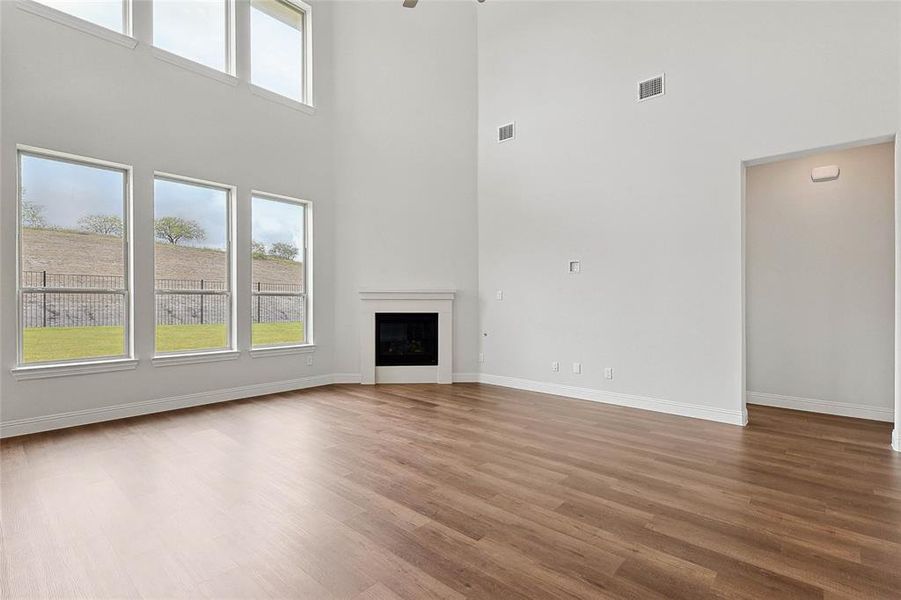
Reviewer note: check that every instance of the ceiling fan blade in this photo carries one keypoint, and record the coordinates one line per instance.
(410, 3)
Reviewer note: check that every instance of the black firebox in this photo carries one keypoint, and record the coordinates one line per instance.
(406, 339)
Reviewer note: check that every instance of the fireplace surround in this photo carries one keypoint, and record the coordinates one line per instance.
(432, 302)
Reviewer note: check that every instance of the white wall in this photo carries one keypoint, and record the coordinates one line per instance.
(896, 434)
(405, 141)
(2, 234)
(391, 148)
(820, 283)
(648, 195)
(69, 91)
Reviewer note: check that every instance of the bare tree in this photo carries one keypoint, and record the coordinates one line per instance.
(33, 215)
(176, 229)
(257, 249)
(102, 224)
(283, 250)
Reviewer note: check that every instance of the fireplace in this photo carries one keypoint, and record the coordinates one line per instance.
(381, 311)
(406, 339)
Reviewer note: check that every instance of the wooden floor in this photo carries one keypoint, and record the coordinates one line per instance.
(463, 491)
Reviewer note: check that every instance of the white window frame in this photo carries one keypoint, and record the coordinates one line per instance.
(191, 64)
(123, 38)
(202, 355)
(307, 75)
(128, 264)
(307, 293)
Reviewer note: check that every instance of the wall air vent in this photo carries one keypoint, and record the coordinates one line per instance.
(505, 133)
(650, 88)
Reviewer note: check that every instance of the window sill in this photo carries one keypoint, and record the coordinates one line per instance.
(25, 373)
(196, 67)
(168, 360)
(282, 350)
(58, 16)
(283, 100)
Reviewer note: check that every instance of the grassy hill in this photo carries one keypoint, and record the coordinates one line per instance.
(72, 252)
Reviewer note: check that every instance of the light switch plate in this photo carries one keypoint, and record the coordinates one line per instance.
(577, 368)
(575, 266)
(499, 295)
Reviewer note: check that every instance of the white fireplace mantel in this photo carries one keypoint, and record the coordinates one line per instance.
(440, 301)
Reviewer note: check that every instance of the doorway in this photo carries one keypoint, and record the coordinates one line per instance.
(819, 281)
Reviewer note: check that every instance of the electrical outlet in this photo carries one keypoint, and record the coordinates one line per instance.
(577, 368)
(499, 295)
(608, 373)
(309, 360)
(481, 357)
(555, 366)
(575, 266)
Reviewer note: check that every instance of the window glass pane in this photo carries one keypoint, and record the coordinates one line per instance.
(191, 255)
(72, 236)
(108, 13)
(276, 52)
(277, 272)
(195, 29)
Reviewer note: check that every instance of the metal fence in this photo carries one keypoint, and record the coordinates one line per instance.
(51, 301)
(43, 279)
(67, 309)
(277, 309)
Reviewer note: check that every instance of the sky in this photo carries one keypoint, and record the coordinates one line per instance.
(69, 191)
(103, 12)
(195, 29)
(275, 221)
(277, 50)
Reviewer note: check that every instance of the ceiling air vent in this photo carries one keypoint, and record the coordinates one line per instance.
(505, 132)
(649, 88)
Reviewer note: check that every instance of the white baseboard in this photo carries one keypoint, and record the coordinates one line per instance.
(721, 415)
(466, 377)
(133, 409)
(896, 440)
(346, 378)
(120, 411)
(829, 407)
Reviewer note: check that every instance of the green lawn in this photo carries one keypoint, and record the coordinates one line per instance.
(65, 343)
(273, 334)
(179, 338)
(42, 344)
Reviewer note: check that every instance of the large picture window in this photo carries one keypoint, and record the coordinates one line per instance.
(199, 30)
(280, 258)
(193, 265)
(279, 34)
(74, 292)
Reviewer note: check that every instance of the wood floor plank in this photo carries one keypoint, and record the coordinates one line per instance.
(464, 491)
